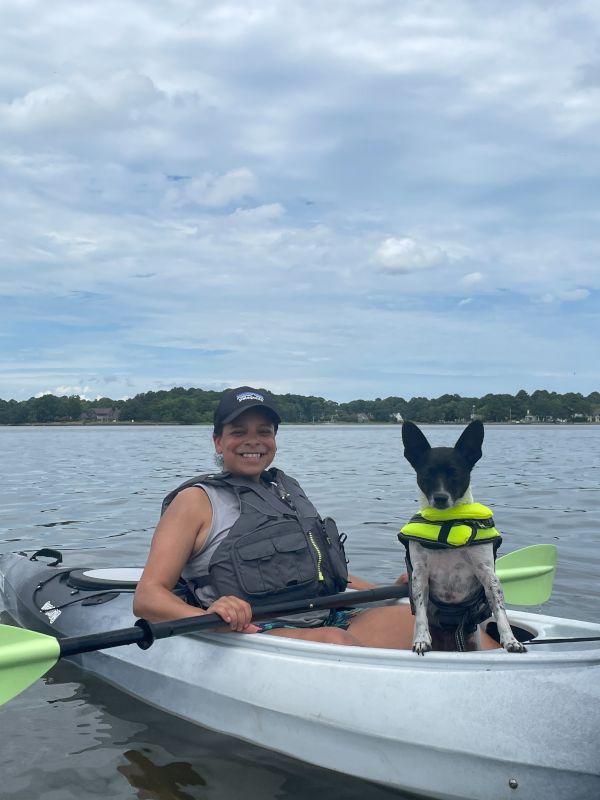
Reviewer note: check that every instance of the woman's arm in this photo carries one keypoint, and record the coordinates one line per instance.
(182, 529)
(172, 544)
(354, 582)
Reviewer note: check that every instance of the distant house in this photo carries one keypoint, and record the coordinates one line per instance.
(396, 417)
(529, 417)
(101, 415)
(363, 417)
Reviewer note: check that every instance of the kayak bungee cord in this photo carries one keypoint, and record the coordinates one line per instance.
(563, 640)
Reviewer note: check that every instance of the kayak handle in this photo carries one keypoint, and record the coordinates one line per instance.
(49, 552)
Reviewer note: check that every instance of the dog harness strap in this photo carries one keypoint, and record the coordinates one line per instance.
(444, 532)
(473, 535)
(459, 638)
(467, 615)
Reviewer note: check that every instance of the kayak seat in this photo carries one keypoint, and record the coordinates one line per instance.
(521, 634)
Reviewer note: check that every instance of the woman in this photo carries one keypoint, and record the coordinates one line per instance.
(212, 519)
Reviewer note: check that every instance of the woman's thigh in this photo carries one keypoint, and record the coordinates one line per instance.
(387, 626)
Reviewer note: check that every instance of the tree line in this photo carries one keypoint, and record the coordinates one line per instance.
(196, 406)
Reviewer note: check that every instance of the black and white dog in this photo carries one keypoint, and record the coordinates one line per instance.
(443, 576)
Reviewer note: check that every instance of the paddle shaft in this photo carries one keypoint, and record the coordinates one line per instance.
(143, 633)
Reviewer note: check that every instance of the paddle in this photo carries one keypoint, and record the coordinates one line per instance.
(527, 575)
(26, 655)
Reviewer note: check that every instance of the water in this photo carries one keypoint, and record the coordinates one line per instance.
(95, 493)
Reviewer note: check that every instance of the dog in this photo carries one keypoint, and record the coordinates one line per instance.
(442, 572)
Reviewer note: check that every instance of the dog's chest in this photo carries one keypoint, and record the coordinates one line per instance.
(450, 572)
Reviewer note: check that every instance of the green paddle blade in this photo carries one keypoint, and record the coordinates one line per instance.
(527, 575)
(24, 657)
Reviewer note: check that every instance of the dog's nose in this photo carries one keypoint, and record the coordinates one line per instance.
(441, 500)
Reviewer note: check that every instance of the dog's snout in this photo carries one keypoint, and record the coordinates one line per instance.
(441, 500)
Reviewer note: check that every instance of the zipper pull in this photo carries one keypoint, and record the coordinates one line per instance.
(284, 496)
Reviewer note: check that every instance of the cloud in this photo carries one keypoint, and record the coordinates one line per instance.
(401, 256)
(568, 296)
(471, 279)
(85, 392)
(83, 103)
(265, 213)
(215, 191)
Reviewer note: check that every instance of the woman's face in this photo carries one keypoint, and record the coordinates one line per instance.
(247, 444)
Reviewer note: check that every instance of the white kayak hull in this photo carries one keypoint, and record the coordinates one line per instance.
(468, 726)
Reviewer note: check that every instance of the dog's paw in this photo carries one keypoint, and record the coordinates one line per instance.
(514, 646)
(422, 646)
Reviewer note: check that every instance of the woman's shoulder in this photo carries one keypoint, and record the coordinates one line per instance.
(197, 483)
(192, 497)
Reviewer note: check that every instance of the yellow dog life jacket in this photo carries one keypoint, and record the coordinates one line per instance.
(471, 523)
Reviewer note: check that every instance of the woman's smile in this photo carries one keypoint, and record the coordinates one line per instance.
(247, 444)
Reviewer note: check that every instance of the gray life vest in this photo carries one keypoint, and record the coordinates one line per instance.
(279, 547)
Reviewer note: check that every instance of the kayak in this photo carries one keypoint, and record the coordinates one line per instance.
(455, 726)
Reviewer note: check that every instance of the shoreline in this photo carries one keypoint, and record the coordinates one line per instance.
(369, 424)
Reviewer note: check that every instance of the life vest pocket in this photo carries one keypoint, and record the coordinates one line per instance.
(290, 543)
(257, 551)
(275, 558)
(336, 554)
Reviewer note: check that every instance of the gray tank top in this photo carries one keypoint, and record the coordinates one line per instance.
(225, 512)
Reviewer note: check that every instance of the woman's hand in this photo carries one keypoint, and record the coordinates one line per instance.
(235, 612)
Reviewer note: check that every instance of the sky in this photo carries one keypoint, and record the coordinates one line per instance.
(350, 199)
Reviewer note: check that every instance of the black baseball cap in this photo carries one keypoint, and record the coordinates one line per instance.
(235, 401)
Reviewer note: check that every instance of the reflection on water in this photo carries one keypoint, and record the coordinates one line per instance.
(159, 782)
(97, 493)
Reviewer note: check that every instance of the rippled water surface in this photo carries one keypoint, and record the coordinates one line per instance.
(95, 493)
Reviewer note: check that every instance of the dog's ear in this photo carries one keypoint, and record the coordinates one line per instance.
(416, 445)
(470, 441)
